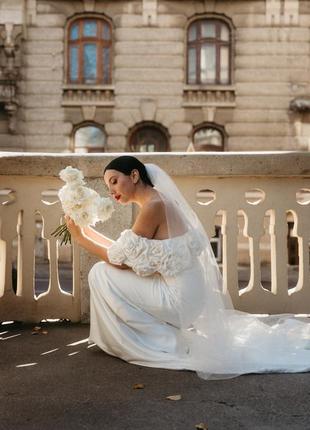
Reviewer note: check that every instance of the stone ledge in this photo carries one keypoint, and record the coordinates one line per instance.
(209, 95)
(230, 164)
(88, 95)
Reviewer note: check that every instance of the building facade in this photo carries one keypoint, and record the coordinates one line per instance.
(154, 75)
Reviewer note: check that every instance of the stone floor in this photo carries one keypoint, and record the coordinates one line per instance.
(55, 381)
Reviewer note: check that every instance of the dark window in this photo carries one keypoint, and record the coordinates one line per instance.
(89, 51)
(148, 138)
(208, 53)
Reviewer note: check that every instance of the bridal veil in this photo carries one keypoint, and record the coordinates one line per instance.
(225, 342)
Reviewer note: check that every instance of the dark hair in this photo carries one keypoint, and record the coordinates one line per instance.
(126, 164)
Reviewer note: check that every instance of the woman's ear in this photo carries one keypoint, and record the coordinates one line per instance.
(135, 176)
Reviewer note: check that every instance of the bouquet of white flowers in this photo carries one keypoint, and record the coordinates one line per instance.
(82, 204)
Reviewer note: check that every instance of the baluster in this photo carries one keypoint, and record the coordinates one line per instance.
(278, 234)
(27, 253)
(230, 264)
(301, 228)
(254, 230)
(8, 235)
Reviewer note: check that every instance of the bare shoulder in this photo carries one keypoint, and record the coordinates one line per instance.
(150, 217)
(155, 205)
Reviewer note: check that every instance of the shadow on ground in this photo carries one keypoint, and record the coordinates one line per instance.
(56, 381)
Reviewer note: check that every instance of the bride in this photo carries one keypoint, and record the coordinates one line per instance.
(157, 298)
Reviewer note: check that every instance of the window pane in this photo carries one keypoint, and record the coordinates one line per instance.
(147, 148)
(89, 137)
(106, 31)
(224, 73)
(90, 63)
(149, 139)
(192, 66)
(74, 32)
(74, 73)
(106, 65)
(207, 64)
(208, 136)
(192, 32)
(90, 29)
(207, 29)
(224, 32)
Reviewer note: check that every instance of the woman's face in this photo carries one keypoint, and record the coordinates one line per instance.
(120, 186)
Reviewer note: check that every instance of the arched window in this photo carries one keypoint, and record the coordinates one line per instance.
(209, 52)
(149, 137)
(89, 51)
(209, 137)
(89, 138)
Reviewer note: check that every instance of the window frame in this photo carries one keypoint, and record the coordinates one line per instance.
(215, 126)
(200, 41)
(81, 41)
(88, 124)
(143, 124)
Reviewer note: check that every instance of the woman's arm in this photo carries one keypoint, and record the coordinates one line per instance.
(97, 237)
(90, 245)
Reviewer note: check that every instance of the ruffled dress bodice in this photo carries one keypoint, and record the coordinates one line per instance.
(168, 257)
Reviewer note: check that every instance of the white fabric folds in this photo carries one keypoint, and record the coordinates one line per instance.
(171, 311)
(168, 257)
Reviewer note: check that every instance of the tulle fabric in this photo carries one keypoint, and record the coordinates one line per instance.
(225, 342)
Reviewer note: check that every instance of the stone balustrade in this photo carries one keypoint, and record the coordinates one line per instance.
(210, 96)
(221, 187)
(83, 95)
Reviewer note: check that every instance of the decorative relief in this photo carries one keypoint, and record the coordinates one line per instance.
(273, 12)
(149, 12)
(9, 70)
(89, 5)
(31, 12)
(291, 12)
(88, 113)
(217, 96)
(148, 109)
(81, 95)
(300, 104)
(282, 12)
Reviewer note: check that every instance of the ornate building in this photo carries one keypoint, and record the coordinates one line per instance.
(154, 75)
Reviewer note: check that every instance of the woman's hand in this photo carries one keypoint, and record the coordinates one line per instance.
(75, 230)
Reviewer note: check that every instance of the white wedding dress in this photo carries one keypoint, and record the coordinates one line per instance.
(171, 310)
(136, 315)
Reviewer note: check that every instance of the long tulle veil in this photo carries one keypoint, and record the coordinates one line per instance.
(225, 342)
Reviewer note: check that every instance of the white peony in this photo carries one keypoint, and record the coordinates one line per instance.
(72, 176)
(81, 203)
(105, 208)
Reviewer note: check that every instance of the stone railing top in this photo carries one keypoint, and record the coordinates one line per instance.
(273, 164)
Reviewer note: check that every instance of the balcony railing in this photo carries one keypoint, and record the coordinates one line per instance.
(249, 199)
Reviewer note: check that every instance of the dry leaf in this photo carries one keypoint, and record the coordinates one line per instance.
(201, 426)
(138, 386)
(174, 397)
(44, 331)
